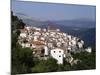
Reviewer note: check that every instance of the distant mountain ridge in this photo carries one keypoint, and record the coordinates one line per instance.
(82, 23)
(79, 23)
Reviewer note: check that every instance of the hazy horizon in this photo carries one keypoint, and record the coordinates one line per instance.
(53, 11)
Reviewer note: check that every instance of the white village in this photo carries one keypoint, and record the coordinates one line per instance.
(51, 42)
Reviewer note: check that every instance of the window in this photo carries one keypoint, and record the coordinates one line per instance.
(35, 51)
(59, 51)
(68, 51)
(42, 51)
(59, 55)
(30, 44)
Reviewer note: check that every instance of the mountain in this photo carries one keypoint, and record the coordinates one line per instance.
(32, 22)
(77, 23)
(82, 23)
(21, 15)
(83, 28)
(89, 36)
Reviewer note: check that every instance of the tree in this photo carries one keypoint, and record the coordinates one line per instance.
(87, 61)
(60, 67)
(22, 60)
(16, 23)
(49, 65)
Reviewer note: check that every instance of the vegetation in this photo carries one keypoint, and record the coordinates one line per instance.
(87, 61)
(49, 65)
(22, 58)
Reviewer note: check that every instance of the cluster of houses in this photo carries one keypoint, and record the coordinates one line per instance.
(51, 42)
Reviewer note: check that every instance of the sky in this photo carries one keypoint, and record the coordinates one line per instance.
(52, 11)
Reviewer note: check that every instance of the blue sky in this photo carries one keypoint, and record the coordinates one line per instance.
(50, 11)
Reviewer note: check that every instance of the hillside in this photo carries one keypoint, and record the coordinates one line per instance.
(82, 28)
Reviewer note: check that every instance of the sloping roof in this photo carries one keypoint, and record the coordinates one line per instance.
(23, 30)
(38, 42)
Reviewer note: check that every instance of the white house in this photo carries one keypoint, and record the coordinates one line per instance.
(73, 42)
(38, 29)
(64, 34)
(69, 43)
(27, 45)
(58, 30)
(69, 48)
(80, 45)
(50, 45)
(27, 27)
(82, 41)
(24, 45)
(69, 37)
(58, 44)
(44, 30)
(23, 35)
(33, 46)
(58, 54)
(89, 49)
(42, 38)
(37, 33)
(46, 50)
(35, 38)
